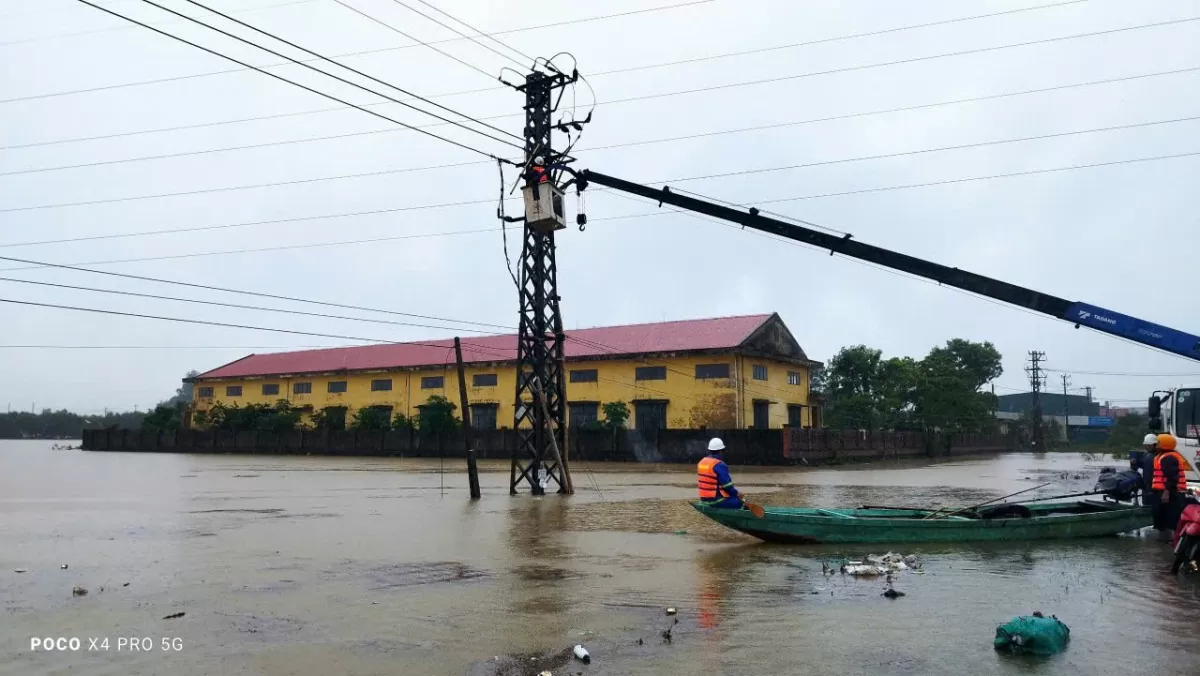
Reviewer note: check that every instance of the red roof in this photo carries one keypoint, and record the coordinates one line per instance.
(680, 336)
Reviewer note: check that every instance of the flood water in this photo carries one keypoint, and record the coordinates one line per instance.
(311, 566)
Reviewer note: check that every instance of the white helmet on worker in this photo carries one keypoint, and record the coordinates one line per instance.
(1150, 440)
(716, 445)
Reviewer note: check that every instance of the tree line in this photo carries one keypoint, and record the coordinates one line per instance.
(939, 395)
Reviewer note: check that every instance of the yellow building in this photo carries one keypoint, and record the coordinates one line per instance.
(728, 372)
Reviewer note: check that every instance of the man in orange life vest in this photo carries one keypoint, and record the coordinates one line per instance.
(714, 482)
(1169, 484)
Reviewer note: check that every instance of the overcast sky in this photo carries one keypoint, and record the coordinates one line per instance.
(1117, 236)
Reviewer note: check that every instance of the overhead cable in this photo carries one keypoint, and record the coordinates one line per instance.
(472, 38)
(236, 306)
(244, 292)
(283, 79)
(505, 45)
(415, 39)
(356, 72)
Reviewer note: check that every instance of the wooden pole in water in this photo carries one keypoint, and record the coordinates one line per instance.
(468, 431)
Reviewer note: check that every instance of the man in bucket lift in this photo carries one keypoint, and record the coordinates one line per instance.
(713, 480)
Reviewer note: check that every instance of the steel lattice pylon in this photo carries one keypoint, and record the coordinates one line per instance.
(540, 421)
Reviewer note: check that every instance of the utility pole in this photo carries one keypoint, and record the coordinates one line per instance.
(1066, 380)
(540, 413)
(1035, 385)
(468, 431)
(1088, 389)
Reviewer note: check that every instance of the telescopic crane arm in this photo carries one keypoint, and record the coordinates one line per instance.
(1078, 313)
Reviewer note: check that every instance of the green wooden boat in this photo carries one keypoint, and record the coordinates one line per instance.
(1045, 521)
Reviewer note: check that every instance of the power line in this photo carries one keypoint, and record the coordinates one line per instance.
(238, 306)
(1126, 375)
(125, 28)
(209, 287)
(470, 202)
(455, 30)
(510, 48)
(363, 53)
(414, 38)
(838, 38)
(778, 125)
(338, 77)
(609, 147)
(280, 78)
(356, 72)
(847, 69)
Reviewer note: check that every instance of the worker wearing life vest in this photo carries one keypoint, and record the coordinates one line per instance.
(713, 480)
(1168, 485)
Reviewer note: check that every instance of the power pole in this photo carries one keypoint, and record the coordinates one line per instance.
(1088, 389)
(468, 431)
(540, 406)
(1036, 379)
(1066, 380)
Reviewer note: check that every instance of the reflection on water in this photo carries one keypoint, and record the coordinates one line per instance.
(373, 566)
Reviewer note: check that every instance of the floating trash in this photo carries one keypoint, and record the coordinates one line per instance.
(581, 654)
(1032, 635)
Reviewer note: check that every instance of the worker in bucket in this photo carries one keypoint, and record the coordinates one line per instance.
(1169, 484)
(713, 480)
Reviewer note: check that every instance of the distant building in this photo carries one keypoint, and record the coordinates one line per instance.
(1052, 404)
(729, 372)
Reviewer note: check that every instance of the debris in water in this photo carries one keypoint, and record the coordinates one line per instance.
(862, 570)
(581, 654)
(174, 616)
(125, 585)
(681, 531)
(78, 591)
(671, 611)
(20, 570)
(893, 594)
(546, 673)
(63, 567)
(1032, 635)
(641, 642)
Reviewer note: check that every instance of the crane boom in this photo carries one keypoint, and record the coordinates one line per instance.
(1080, 314)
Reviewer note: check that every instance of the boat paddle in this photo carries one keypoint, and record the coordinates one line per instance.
(756, 510)
(988, 502)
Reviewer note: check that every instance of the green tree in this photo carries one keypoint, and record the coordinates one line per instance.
(437, 415)
(1128, 432)
(164, 418)
(373, 418)
(946, 397)
(862, 390)
(616, 414)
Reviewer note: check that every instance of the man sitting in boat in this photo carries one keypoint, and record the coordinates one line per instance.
(714, 482)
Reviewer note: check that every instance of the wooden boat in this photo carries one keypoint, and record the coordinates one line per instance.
(1045, 521)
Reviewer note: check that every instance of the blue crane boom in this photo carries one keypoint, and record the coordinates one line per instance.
(1078, 313)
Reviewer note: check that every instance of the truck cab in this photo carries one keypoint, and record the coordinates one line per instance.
(1180, 411)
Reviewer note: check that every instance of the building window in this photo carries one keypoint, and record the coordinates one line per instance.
(760, 372)
(795, 415)
(650, 415)
(381, 385)
(584, 376)
(204, 392)
(336, 386)
(433, 382)
(794, 378)
(650, 373)
(582, 413)
(711, 371)
(233, 391)
(302, 388)
(483, 380)
(483, 416)
(270, 390)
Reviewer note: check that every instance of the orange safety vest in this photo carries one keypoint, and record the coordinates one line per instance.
(706, 479)
(1160, 480)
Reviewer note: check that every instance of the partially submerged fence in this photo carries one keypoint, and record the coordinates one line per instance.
(744, 447)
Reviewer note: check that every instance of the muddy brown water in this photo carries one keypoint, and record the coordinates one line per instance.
(316, 566)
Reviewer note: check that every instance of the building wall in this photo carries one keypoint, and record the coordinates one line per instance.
(690, 402)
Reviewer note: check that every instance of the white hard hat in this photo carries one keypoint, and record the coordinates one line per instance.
(1150, 440)
(716, 444)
